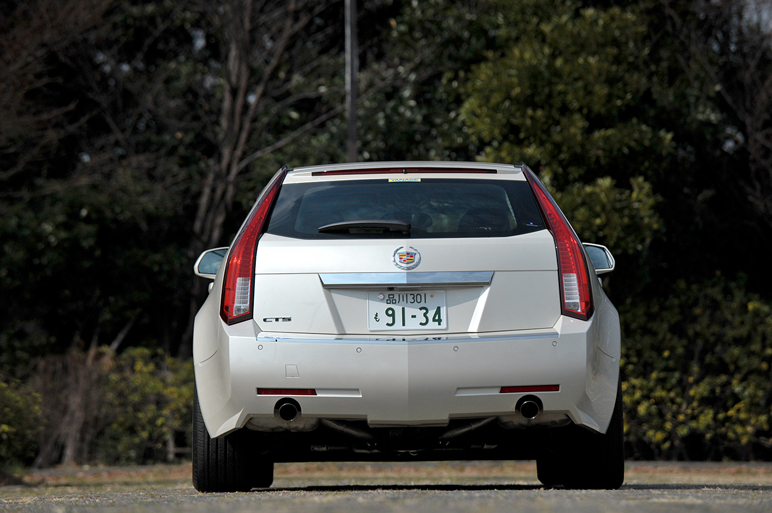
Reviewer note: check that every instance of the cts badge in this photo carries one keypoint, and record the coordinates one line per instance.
(406, 258)
(277, 319)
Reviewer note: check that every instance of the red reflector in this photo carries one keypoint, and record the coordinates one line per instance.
(401, 170)
(286, 391)
(529, 389)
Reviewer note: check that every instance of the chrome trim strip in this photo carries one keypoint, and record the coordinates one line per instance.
(372, 280)
(404, 339)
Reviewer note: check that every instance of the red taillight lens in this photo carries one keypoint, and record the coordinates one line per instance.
(239, 282)
(575, 292)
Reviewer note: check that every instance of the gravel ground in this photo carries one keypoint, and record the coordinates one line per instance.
(425, 487)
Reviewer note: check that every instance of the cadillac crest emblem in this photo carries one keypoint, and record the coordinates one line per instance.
(406, 258)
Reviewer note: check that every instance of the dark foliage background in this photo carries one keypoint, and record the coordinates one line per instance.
(134, 134)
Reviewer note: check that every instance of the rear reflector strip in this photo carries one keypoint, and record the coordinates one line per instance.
(286, 391)
(401, 170)
(530, 389)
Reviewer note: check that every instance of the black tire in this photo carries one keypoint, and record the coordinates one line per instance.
(592, 461)
(550, 471)
(603, 465)
(229, 463)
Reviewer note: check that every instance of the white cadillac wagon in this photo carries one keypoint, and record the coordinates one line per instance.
(405, 311)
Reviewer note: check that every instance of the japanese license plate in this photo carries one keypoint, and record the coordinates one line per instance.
(424, 310)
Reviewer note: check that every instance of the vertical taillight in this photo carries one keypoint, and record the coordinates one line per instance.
(238, 289)
(575, 286)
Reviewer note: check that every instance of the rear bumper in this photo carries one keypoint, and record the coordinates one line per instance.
(404, 382)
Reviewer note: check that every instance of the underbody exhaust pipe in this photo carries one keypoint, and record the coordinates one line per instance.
(456, 432)
(287, 409)
(348, 430)
(529, 407)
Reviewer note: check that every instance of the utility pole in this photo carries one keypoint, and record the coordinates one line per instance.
(352, 70)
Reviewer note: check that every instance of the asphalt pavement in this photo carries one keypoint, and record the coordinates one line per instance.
(420, 487)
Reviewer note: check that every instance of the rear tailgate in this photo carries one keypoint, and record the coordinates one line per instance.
(330, 287)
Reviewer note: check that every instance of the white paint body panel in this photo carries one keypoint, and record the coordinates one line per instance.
(288, 283)
(410, 382)
(506, 333)
(531, 252)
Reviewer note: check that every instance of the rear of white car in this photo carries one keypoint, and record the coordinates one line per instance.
(402, 311)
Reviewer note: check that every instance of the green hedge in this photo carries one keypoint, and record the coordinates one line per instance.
(696, 371)
(150, 396)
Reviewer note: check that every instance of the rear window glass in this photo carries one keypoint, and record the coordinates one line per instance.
(434, 208)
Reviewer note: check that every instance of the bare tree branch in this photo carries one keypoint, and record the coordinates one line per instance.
(392, 78)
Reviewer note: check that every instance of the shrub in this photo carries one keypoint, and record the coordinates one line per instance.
(149, 395)
(696, 370)
(20, 421)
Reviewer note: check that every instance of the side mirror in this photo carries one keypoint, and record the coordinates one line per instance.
(208, 262)
(601, 258)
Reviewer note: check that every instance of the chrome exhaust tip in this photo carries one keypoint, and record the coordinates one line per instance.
(529, 407)
(287, 410)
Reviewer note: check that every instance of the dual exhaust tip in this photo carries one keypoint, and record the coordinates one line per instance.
(529, 407)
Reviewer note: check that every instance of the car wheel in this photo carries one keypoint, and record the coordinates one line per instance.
(601, 461)
(588, 460)
(229, 463)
